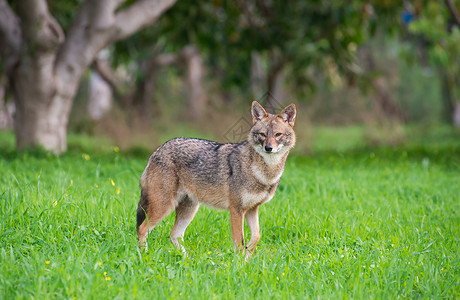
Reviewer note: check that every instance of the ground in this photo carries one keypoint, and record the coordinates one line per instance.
(360, 222)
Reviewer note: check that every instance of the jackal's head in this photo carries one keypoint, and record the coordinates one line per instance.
(272, 134)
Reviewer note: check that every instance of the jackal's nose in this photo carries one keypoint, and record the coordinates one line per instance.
(268, 148)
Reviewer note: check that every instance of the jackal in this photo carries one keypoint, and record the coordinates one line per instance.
(186, 172)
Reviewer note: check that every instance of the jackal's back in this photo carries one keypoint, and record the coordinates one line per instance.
(199, 160)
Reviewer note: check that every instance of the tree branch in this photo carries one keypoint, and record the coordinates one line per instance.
(89, 33)
(106, 72)
(39, 28)
(453, 11)
(139, 15)
(165, 59)
(96, 25)
(10, 36)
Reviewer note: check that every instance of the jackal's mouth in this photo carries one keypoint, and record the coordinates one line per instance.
(269, 150)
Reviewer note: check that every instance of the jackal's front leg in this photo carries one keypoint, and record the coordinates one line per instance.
(236, 221)
(252, 218)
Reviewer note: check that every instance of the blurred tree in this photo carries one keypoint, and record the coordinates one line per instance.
(434, 33)
(295, 39)
(271, 40)
(297, 35)
(44, 65)
(181, 39)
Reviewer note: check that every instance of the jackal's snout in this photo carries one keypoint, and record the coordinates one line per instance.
(270, 144)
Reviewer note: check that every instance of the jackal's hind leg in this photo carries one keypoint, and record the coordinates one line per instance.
(154, 213)
(185, 212)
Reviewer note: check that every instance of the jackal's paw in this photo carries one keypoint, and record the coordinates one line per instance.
(182, 249)
(247, 257)
(247, 254)
(143, 246)
(179, 246)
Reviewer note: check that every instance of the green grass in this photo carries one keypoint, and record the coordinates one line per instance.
(370, 223)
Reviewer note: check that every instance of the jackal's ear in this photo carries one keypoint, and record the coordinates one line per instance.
(258, 112)
(288, 114)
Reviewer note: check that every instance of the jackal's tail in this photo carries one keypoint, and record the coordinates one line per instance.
(142, 209)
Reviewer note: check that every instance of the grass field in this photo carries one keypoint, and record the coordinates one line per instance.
(370, 223)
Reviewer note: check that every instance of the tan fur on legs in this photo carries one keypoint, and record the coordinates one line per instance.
(236, 221)
(185, 212)
(252, 219)
(155, 213)
(158, 199)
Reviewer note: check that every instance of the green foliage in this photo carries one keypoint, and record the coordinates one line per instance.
(303, 35)
(418, 92)
(377, 223)
(443, 38)
(435, 37)
(64, 11)
(309, 37)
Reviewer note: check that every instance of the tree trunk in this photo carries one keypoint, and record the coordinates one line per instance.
(196, 97)
(451, 110)
(275, 93)
(100, 96)
(42, 121)
(146, 87)
(382, 98)
(146, 90)
(275, 81)
(258, 76)
(39, 123)
(101, 65)
(6, 108)
(456, 115)
(276, 89)
(44, 67)
(41, 108)
(385, 100)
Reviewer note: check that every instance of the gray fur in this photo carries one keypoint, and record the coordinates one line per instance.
(186, 172)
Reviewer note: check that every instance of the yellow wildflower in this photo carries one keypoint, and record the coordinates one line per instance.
(116, 149)
(47, 262)
(86, 156)
(118, 191)
(107, 278)
(100, 263)
(105, 273)
(55, 203)
(112, 182)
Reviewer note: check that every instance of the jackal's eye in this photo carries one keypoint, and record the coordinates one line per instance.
(278, 134)
(262, 135)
